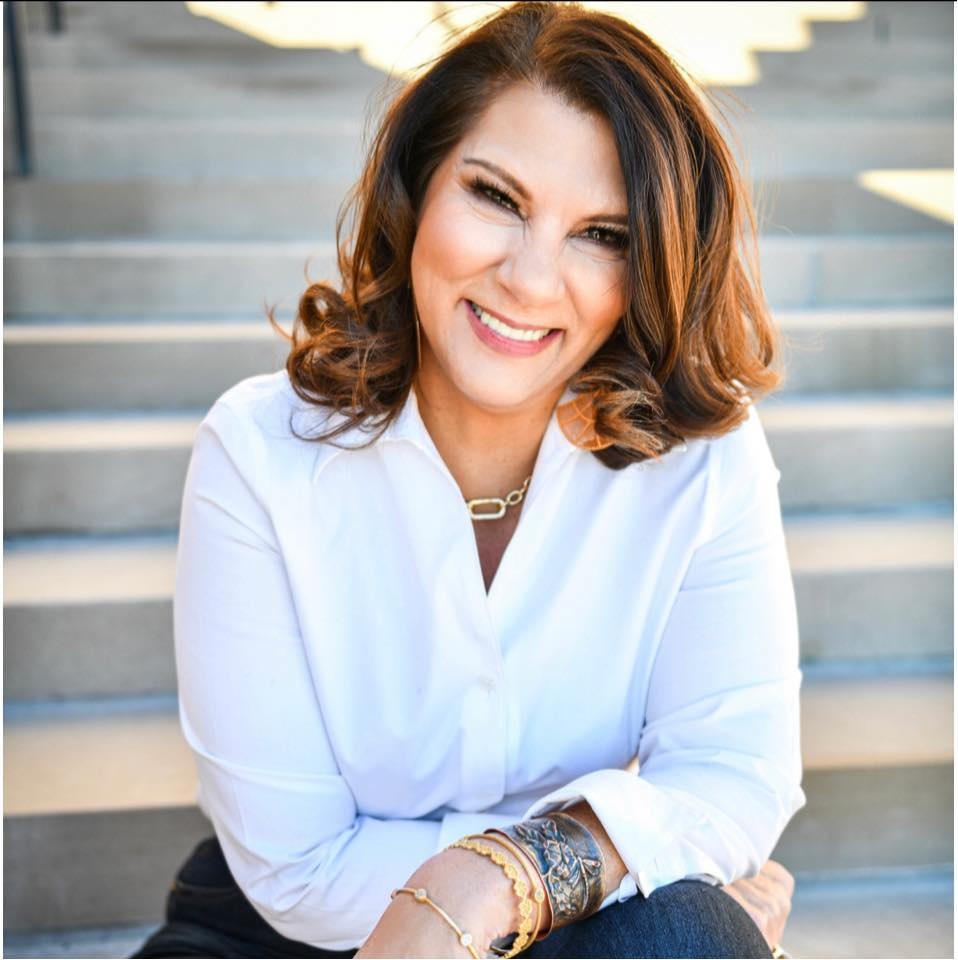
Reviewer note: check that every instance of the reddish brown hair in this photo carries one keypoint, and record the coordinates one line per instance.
(696, 337)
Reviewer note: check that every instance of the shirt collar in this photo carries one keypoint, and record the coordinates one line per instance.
(554, 449)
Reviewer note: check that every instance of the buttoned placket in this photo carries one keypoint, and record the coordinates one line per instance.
(488, 713)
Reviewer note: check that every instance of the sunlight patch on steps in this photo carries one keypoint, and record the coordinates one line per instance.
(928, 191)
(712, 39)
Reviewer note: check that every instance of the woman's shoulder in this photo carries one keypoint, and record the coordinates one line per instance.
(743, 472)
(267, 406)
(744, 449)
(270, 433)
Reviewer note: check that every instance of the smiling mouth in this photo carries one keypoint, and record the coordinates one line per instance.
(518, 334)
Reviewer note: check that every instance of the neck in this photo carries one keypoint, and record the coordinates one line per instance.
(489, 453)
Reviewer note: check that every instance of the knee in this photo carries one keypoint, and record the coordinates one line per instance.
(700, 920)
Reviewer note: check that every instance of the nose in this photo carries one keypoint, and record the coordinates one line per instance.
(532, 269)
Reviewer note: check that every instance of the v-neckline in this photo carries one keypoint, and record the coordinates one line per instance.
(485, 527)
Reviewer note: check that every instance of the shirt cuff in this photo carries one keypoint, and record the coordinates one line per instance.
(643, 823)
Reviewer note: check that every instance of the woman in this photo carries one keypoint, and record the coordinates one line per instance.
(507, 521)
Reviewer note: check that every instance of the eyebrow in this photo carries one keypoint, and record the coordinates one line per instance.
(616, 218)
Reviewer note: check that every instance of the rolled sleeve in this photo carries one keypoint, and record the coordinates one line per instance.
(719, 754)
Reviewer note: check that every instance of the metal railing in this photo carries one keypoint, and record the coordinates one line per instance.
(14, 59)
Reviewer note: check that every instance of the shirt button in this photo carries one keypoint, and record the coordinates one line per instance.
(488, 684)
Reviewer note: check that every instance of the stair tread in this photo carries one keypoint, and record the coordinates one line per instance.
(822, 544)
(81, 763)
(148, 249)
(873, 917)
(865, 318)
(71, 432)
(145, 332)
(89, 570)
(26, 432)
(140, 758)
(842, 411)
(98, 569)
(872, 722)
(909, 917)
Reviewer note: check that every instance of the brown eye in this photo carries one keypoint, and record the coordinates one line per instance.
(607, 237)
(491, 193)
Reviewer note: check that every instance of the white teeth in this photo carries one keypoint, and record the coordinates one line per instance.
(510, 333)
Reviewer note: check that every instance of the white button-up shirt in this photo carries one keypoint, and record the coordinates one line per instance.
(356, 700)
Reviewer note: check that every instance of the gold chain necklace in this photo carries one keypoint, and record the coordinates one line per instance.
(498, 505)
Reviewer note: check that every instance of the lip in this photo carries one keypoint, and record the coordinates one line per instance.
(515, 348)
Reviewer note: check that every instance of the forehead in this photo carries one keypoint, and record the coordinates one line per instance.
(549, 146)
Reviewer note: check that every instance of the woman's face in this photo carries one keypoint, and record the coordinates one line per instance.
(518, 266)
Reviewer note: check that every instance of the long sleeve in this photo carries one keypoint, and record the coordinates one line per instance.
(719, 755)
(269, 780)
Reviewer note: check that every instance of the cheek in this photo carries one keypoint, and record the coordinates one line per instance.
(452, 244)
(600, 296)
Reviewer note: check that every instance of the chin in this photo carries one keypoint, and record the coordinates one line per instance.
(509, 398)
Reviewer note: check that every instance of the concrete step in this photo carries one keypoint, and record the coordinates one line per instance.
(162, 280)
(872, 818)
(89, 618)
(892, 914)
(111, 474)
(93, 617)
(887, 26)
(76, 775)
(205, 46)
(873, 590)
(880, 271)
(823, 146)
(868, 723)
(840, 453)
(881, 916)
(101, 148)
(232, 280)
(143, 366)
(156, 92)
(236, 93)
(829, 206)
(868, 350)
(856, 60)
(103, 942)
(134, 366)
(814, 94)
(128, 20)
(125, 473)
(188, 210)
(72, 148)
(303, 210)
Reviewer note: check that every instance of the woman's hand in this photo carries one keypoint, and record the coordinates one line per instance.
(767, 899)
(469, 887)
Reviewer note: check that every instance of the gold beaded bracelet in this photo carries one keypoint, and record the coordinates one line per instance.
(420, 896)
(519, 886)
(531, 870)
(539, 896)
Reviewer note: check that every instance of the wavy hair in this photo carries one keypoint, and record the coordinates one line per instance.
(696, 340)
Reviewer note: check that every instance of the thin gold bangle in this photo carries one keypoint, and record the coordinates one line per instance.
(519, 886)
(420, 896)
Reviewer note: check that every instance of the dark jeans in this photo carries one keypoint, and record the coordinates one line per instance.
(208, 916)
